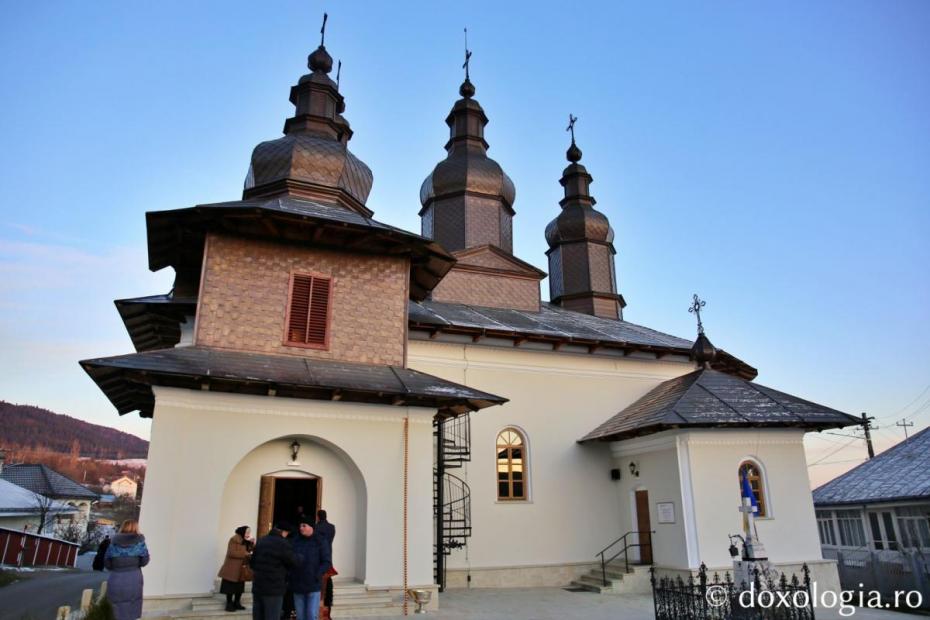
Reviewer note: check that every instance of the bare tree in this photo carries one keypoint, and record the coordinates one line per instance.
(46, 509)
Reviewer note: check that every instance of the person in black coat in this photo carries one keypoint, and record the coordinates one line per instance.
(306, 579)
(272, 559)
(101, 553)
(328, 530)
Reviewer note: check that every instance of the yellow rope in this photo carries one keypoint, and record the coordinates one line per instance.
(406, 461)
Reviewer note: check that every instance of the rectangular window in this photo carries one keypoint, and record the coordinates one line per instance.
(889, 531)
(849, 523)
(914, 523)
(876, 531)
(309, 307)
(825, 527)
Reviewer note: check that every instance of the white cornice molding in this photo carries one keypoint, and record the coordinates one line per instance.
(212, 402)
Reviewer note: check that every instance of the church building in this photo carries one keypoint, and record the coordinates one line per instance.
(459, 430)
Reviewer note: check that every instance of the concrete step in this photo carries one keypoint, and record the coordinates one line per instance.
(592, 587)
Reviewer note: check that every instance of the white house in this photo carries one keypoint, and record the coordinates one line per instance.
(43, 481)
(458, 429)
(124, 486)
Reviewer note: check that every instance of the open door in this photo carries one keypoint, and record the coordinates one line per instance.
(644, 525)
(265, 506)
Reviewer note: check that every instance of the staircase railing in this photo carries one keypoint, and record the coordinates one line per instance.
(451, 494)
(624, 550)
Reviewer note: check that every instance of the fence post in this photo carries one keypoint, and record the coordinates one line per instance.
(86, 599)
(876, 572)
(919, 572)
(63, 612)
(103, 591)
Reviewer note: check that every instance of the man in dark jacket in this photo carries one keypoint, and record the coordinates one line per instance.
(315, 558)
(323, 527)
(327, 530)
(272, 559)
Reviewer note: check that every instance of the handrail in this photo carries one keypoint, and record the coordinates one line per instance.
(626, 556)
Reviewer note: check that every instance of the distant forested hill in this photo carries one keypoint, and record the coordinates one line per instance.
(25, 426)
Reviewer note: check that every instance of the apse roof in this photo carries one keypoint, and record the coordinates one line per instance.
(709, 398)
(127, 380)
(901, 472)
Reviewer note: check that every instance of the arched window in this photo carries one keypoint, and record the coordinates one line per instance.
(752, 472)
(511, 465)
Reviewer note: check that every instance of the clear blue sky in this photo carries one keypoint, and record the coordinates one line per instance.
(773, 157)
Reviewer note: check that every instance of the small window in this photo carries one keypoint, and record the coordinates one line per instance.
(825, 527)
(852, 532)
(751, 471)
(308, 311)
(511, 465)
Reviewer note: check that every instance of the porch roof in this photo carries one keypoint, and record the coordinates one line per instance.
(901, 472)
(127, 380)
(709, 398)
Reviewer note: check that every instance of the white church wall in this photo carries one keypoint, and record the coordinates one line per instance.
(199, 439)
(789, 532)
(573, 506)
(655, 459)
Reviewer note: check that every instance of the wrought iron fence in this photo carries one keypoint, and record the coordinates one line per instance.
(702, 598)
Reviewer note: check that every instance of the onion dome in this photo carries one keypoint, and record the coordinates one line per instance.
(312, 159)
(582, 275)
(468, 198)
(703, 351)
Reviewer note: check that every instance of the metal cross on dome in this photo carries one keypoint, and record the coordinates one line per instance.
(323, 29)
(571, 126)
(695, 307)
(467, 55)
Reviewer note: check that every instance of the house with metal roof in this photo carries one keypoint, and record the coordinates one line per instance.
(42, 481)
(21, 509)
(419, 388)
(882, 504)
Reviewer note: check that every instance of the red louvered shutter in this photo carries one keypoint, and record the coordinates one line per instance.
(318, 317)
(308, 310)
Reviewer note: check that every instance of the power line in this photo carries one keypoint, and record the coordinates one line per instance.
(829, 454)
(907, 406)
(835, 462)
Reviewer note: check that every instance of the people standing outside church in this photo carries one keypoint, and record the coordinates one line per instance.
(306, 579)
(328, 530)
(272, 559)
(235, 570)
(124, 558)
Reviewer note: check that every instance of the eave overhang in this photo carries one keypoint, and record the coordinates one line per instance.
(154, 322)
(127, 380)
(176, 237)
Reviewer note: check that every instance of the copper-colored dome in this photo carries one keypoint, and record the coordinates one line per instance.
(470, 172)
(314, 159)
(577, 223)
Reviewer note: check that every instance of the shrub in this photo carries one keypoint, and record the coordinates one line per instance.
(100, 610)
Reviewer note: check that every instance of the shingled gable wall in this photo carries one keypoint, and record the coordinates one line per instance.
(244, 295)
(485, 278)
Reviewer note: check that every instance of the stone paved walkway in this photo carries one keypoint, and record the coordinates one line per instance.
(559, 604)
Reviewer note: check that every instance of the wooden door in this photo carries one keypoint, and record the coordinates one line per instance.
(265, 506)
(644, 525)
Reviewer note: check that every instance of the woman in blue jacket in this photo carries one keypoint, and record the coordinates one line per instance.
(125, 557)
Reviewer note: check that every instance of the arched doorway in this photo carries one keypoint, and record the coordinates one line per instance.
(266, 484)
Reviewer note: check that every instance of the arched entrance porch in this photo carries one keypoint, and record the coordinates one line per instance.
(332, 475)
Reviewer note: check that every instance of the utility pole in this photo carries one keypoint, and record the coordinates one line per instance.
(904, 424)
(867, 427)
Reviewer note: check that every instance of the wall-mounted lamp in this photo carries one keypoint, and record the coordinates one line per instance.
(634, 470)
(295, 448)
